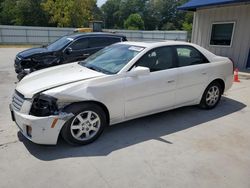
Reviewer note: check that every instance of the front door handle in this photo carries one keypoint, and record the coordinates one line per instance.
(85, 54)
(204, 73)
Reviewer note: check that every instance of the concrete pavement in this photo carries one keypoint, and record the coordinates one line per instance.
(186, 147)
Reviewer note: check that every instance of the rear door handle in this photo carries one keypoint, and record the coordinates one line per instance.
(170, 81)
(85, 54)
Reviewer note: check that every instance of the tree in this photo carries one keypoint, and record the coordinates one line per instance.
(30, 13)
(187, 25)
(111, 13)
(134, 22)
(22, 12)
(8, 12)
(70, 13)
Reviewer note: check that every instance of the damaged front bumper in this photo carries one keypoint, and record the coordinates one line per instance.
(40, 130)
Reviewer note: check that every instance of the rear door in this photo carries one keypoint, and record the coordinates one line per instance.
(194, 71)
(98, 43)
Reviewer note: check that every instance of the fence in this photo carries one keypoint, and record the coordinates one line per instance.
(44, 35)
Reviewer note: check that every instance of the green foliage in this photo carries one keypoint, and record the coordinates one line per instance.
(29, 12)
(22, 12)
(156, 14)
(8, 11)
(71, 13)
(131, 14)
(111, 13)
(59, 11)
(62, 13)
(187, 25)
(134, 22)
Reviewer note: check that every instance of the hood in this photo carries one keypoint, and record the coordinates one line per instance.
(32, 51)
(53, 77)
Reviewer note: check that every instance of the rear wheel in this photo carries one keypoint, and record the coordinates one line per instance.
(86, 126)
(211, 96)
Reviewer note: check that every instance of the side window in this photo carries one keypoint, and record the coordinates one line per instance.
(79, 44)
(158, 59)
(95, 42)
(188, 55)
(112, 40)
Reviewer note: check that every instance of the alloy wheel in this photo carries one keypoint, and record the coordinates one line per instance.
(85, 125)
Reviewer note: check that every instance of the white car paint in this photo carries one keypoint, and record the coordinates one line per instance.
(125, 95)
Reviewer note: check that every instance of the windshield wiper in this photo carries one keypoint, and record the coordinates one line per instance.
(97, 69)
(93, 68)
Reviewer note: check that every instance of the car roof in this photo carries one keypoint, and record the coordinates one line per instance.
(153, 44)
(94, 34)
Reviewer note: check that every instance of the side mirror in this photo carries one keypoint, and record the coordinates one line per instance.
(68, 50)
(139, 71)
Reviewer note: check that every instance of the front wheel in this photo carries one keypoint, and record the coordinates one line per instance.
(211, 96)
(86, 126)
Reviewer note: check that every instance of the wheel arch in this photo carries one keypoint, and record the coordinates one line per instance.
(221, 82)
(103, 106)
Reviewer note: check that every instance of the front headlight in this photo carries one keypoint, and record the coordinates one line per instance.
(44, 105)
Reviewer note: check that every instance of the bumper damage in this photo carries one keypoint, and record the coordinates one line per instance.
(40, 130)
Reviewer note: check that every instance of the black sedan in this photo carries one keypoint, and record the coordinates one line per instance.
(67, 49)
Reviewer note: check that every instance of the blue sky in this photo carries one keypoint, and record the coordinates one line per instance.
(100, 2)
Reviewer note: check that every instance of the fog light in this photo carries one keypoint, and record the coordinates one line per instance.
(29, 131)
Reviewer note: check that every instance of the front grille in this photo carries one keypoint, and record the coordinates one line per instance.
(17, 101)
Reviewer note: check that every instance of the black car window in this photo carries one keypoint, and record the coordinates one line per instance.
(158, 59)
(112, 40)
(59, 44)
(95, 42)
(79, 44)
(188, 55)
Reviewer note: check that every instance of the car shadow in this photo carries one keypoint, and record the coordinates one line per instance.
(135, 131)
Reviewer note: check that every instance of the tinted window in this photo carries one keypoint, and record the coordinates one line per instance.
(80, 44)
(112, 40)
(59, 44)
(222, 34)
(189, 56)
(158, 59)
(95, 42)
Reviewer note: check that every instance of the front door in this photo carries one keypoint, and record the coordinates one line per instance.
(155, 91)
(79, 51)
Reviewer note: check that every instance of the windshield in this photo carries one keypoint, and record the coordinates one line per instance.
(59, 44)
(111, 59)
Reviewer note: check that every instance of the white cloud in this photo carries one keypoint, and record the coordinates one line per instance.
(100, 2)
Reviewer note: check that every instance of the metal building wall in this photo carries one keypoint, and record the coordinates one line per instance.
(240, 14)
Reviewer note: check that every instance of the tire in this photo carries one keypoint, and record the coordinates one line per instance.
(87, 124)
(211, 96)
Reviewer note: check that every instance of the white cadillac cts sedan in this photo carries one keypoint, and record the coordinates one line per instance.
(121, 82)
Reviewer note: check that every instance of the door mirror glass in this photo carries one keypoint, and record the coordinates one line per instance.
(139, 71)
(68, 50)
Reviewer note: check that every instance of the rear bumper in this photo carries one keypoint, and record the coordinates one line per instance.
(229, 82)
(44, 130)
